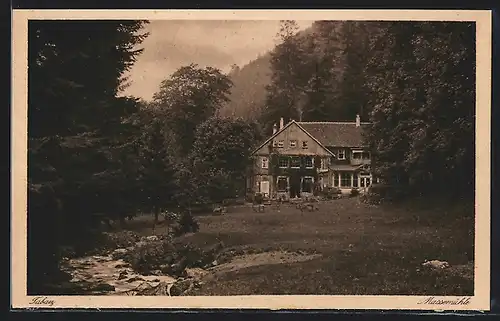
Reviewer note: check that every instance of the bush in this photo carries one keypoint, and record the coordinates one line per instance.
(259, 198)
(186, 224)
(385, 192)
(170, 258)
(331, 192)
(151, 256)
(354, 192)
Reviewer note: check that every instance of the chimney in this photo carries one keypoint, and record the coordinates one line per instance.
(281, 123)
(358, 121)
(275, 128)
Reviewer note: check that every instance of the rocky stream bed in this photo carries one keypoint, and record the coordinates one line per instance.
(108, 274)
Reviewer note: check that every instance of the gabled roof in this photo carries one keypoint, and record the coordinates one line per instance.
(333, 134)
(285, 127)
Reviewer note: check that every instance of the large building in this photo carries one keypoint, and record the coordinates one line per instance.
(303, 157)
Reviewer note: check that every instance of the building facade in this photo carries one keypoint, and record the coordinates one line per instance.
(302, 158)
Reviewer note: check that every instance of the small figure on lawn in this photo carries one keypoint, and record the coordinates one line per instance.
(258, 201)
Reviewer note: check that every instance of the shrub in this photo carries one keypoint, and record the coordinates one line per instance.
(186, 224)
(151, 256)
(259, 198)
(120, 239)
(384, 192)
(354, 192)
(331, 192)
(249, 197)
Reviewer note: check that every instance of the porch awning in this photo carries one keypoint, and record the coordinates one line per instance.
(346, 168)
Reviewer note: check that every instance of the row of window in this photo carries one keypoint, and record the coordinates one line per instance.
(292, 144)
(294, 162)
(346, 179)
(341, 153)
(307, 184)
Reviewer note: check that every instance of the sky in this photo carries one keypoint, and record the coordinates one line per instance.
(216, 43)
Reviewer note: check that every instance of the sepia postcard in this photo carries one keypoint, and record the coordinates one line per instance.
(251, 159)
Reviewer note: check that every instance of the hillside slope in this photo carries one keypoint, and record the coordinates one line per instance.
(249, 88)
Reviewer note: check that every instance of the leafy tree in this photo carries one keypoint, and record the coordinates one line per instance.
(188, 98)
(324, 63)
(285, 94)
(77, 130)
(354, 93)
(156, 168)
(220, 156)
(422, 79)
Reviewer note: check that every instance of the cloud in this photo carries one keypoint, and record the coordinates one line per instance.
(217, 43)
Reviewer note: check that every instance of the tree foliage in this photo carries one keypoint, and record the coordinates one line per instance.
(189, 97)
(413, 80)
(220, 156)
(423, 85)
(78, 131)
(285, 92)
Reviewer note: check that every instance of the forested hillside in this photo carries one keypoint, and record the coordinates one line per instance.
(322, 52)
(249, 89)
(413, 80)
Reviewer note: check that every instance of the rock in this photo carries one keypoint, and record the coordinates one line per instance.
(101, 287)
(119, 253)
(122, 265)
(156, 272)
(152, 238)
(178, 269)
(160, 289)
(134, 279)
(182, 286)
(165, 269)
(123, 275)
(196, 273)
(436, 264)
(215, 263)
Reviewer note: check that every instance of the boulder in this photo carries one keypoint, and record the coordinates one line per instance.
(101, 287)
(436, 264)
(151, 238)
(196, 273)
(134, 279)
(181, 286)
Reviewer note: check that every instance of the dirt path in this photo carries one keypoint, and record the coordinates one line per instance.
(266, 258)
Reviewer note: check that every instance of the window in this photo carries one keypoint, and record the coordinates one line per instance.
(358, 154)
(265, 162)
(309, 162)
(341, 154)
(293, 143)
(364, 180)
(355, 180)
(275, 143)
(324, 163)
(307, 184)
(345, 179)
(304, 144)
(282, 184)
(295, 162)
(283, 162)
(335, 181)
(281, 144)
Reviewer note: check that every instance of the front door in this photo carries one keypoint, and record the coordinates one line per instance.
(294, 185)
(264, 188)
(364, 181)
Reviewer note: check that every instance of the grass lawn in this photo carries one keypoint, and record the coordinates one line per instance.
(364, 250)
